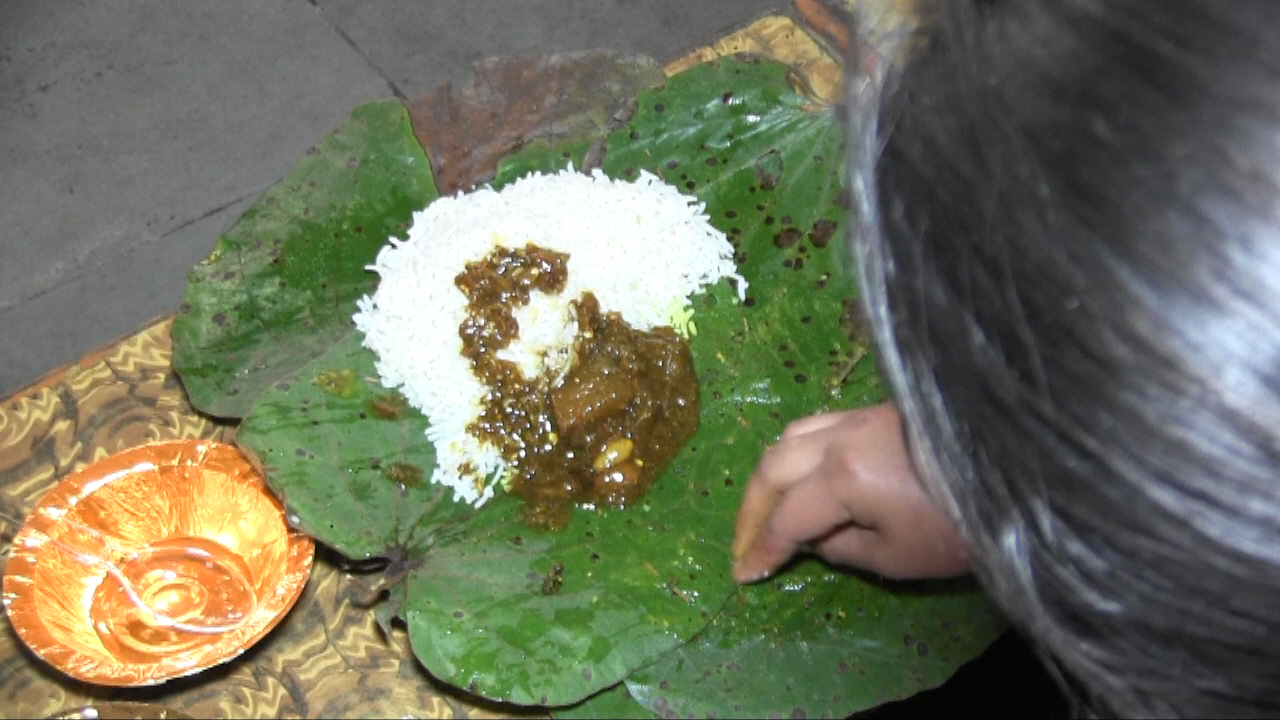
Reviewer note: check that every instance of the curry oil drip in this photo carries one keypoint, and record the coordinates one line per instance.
(607, 430)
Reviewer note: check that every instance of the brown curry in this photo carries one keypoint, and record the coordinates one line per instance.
(603, 433)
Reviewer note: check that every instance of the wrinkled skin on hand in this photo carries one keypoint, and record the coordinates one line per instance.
(841, 485)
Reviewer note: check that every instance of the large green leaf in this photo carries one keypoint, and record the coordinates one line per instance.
(479, 596)
(277, 290)
(816, 642)
(348, 457)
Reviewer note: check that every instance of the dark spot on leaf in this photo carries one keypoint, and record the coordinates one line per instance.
(595, 557)
(586, 673)
(353, 163)
(705, 492)
(727, 98)
(802, 378)
(908, 640)
(789, 364)
(799, 714)
(664, 685)
(731, 213)
(806, 319)
(363, 416)
(553, 580)
(769, 219)
(184, 307)
(735, 231)
(788, 262)
(750, 301)
(220, 319)
(786, 238)
(673, 164)
(822, 232)
(798, 264)
(629, 171)
(786, 219)
(728, 482)
(922, 649)
(282, 385)
(517, 541)
(712, 162)
(842, 668)
(359, 228)
(300, 452)
(843, 199)
(691, 185)
(659, 107)
(459, 614)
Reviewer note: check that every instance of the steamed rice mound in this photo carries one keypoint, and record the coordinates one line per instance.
(642, 248)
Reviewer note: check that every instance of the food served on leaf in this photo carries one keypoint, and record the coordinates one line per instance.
(540, 328)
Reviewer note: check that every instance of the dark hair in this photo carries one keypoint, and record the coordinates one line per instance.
(1070, 252)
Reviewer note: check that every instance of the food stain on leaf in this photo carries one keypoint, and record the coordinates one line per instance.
(337, 382)
(389, 406)
(406, 474)
(554, 579)
(769, 169)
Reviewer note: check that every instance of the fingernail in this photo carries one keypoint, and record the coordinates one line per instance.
(745, 573)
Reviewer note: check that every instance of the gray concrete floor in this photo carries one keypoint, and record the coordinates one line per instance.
(134, 132)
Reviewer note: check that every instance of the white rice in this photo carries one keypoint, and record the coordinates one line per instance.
(643, 248)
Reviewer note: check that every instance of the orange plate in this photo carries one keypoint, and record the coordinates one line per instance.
(154, 563)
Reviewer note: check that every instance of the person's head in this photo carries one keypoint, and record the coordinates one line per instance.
(1070, 250)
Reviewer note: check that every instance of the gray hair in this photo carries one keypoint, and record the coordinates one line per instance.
(1068, 236)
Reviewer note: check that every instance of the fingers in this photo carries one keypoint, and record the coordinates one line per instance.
(842, 485)
(809, 510)
(797, 455)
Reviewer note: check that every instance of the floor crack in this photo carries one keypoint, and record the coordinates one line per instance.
(395, 89)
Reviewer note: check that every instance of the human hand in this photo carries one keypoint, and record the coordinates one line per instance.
(841, 485)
